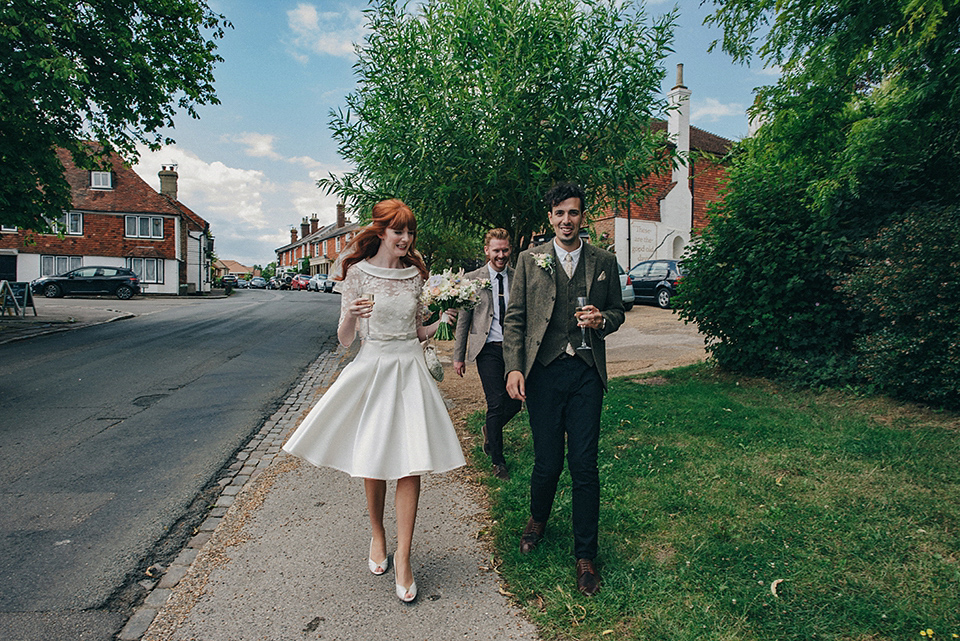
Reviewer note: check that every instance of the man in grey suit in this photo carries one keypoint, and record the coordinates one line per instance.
(563, 384)
(480, 338)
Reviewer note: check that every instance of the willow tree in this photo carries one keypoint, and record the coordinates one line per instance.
(469, 110)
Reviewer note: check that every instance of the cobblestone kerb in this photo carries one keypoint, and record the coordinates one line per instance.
(247, 465)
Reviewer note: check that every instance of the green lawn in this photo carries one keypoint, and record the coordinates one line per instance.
(719, 491)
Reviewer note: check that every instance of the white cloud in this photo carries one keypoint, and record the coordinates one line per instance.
(250, 214)
(712, 110)
(774, 71)
(329, 32)
(258, 145)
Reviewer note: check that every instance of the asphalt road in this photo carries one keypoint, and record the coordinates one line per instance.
(108, 434)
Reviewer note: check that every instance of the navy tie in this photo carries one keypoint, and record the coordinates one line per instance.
(503, 302)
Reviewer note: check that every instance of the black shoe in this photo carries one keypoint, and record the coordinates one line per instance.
(501, 472)
(532, 535)
(588, 579)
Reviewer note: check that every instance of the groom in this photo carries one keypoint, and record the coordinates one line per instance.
(563, 386)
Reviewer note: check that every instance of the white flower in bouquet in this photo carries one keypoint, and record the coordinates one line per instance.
(451, 290)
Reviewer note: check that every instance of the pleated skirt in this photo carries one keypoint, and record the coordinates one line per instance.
(383, 418)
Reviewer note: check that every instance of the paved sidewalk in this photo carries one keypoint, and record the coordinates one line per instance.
(283, 556)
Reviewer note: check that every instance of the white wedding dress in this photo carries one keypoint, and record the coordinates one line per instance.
(383, 418)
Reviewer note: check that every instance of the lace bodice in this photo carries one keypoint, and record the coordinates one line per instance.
(397, 312)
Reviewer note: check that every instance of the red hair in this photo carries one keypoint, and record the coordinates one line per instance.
(387, 214)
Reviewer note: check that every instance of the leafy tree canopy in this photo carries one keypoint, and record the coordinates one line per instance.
(103, 72)
(469, 110)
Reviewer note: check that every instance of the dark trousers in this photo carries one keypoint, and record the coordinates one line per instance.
(564, 399)
(500, 407)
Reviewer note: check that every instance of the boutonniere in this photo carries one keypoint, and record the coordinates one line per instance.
(544, 261)
(485, 283)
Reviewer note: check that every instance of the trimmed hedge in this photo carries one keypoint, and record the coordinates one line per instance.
(908, 290)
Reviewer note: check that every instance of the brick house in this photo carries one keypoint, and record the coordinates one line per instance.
(117, 220)
(223, 267)
(663, 225)
(321, 245)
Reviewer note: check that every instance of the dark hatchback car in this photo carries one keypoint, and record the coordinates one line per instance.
(119, 281)
(656, 281)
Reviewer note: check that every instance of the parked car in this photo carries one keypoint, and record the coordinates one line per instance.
(315, 284)
(228, 280)
(282, 281)
(299, 282)
(243, 283)
(656, 281)
(119, 281)
(626, 289)
(258, 282)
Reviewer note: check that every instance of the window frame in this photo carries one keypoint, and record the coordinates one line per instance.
(71, 262)
(98, 176)
(157, 278)
(143, 226)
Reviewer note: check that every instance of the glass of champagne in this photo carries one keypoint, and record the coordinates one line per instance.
(368, 297)
(581, 303)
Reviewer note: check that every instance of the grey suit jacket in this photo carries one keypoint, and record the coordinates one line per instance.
(533, 291)
(473, 325)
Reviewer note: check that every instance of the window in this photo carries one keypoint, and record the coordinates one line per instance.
(5, 228)
(324, 248)
(144, 227)
(56, 265)
(71, 224)
(101, 180)
(148, 270)
(338, 244)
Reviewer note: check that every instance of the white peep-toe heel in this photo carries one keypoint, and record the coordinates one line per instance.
(402, 592)
(377, 568)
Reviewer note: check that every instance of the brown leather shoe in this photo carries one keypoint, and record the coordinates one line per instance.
(588, 579)
(532, 534)
(501, 472)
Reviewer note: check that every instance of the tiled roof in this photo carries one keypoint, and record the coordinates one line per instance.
(130, 194)
(234, 267)
(701, 140)
(328, 231)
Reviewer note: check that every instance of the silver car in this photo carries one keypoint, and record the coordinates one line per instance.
(626, 288)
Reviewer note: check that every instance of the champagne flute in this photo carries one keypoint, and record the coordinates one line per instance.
(367, 296)
(581, 303)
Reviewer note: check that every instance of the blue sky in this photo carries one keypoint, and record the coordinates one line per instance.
(249, 165)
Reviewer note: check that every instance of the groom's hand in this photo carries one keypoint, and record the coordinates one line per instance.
(515, 386)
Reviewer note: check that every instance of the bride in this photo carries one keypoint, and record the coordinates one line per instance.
(383, 418)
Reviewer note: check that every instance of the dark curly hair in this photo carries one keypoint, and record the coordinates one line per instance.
(561, 191)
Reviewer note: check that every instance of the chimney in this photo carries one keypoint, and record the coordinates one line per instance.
(304, 228)
(293, 235)
(314, 224)
(168, 180)
(678, 124)
(341, 215)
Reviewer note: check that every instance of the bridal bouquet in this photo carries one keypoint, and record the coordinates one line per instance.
(451, 291)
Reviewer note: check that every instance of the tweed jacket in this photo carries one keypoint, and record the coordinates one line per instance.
(533, 292)
(473, 325)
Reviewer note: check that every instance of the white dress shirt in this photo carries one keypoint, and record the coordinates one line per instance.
(496, 332)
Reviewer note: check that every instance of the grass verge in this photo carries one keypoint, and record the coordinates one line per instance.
(736, 509)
